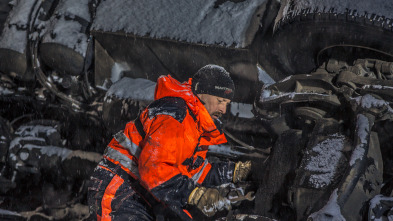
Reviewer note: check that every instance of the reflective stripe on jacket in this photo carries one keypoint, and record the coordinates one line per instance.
(124, 149)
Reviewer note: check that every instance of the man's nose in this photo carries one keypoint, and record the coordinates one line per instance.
(223, 109)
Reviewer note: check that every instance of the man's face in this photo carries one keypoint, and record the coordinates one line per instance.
(216, 106)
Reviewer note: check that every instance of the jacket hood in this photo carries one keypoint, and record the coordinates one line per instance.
(167, 86)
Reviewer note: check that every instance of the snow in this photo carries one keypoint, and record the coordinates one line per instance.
(15, 143)
(19, 15)
(380, 87)
(68, 32)
(362, 129)
(9, 213)
(5, 91)
(158, 111)
(138, 89)
(264, 77)
(35, 130)
(73, 8)
(193, 21)
(323, 160)
(377, 209)
(368, 101)
(358, 8)
(244, 110)
(50, 150)
(224, 150)
(286, 79)
(241, 217)
(330, 212)
(222, 204)
(117, 71)
(14, 36)
(46, 150)
(377, 199)
(267, 95)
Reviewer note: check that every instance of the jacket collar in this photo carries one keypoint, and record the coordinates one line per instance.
(167, 86)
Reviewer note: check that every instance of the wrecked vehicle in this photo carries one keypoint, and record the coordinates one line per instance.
(312, 106)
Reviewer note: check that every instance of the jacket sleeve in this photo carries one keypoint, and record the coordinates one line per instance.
(159, 159)
(220, 173)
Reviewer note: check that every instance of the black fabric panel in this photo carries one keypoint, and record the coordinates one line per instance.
(172, 106)
(128, 205)
(98, 182)
(175, 191)
(220, 173)
(145, 194)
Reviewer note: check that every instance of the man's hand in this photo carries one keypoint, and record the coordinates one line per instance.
(242, 170)
(208, 200)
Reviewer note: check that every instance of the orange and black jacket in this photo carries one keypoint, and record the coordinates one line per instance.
(166, 147)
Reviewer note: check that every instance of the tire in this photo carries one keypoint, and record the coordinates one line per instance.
(303, 31)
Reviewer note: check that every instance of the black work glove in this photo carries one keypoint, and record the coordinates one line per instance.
(208, 200)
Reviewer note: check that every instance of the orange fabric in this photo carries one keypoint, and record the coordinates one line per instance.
(204, 173)
(168, 142)
(98, 217)
(110, 192)
(122, 167)
(132, 133)
(188, 213)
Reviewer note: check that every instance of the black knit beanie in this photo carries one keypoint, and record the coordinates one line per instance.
(214, 80)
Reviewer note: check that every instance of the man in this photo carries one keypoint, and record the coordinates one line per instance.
(161, 157)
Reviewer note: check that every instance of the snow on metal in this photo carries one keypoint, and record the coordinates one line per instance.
(324, 160)
(380, 87)
(224, 150)
(363, 7)
(63, 153)
(241, 109)
(368, 101)
(35, 130)
(193, 21)
(117, 71)
(65, 31)
(5, 91)
(264, 77)
(376, 206)
(362, 129)
(267, 95)
(138, 89)
(8, 212)
(18, 140)
(330, 212)
(14, 35)
(72, 8)
(377, 200)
